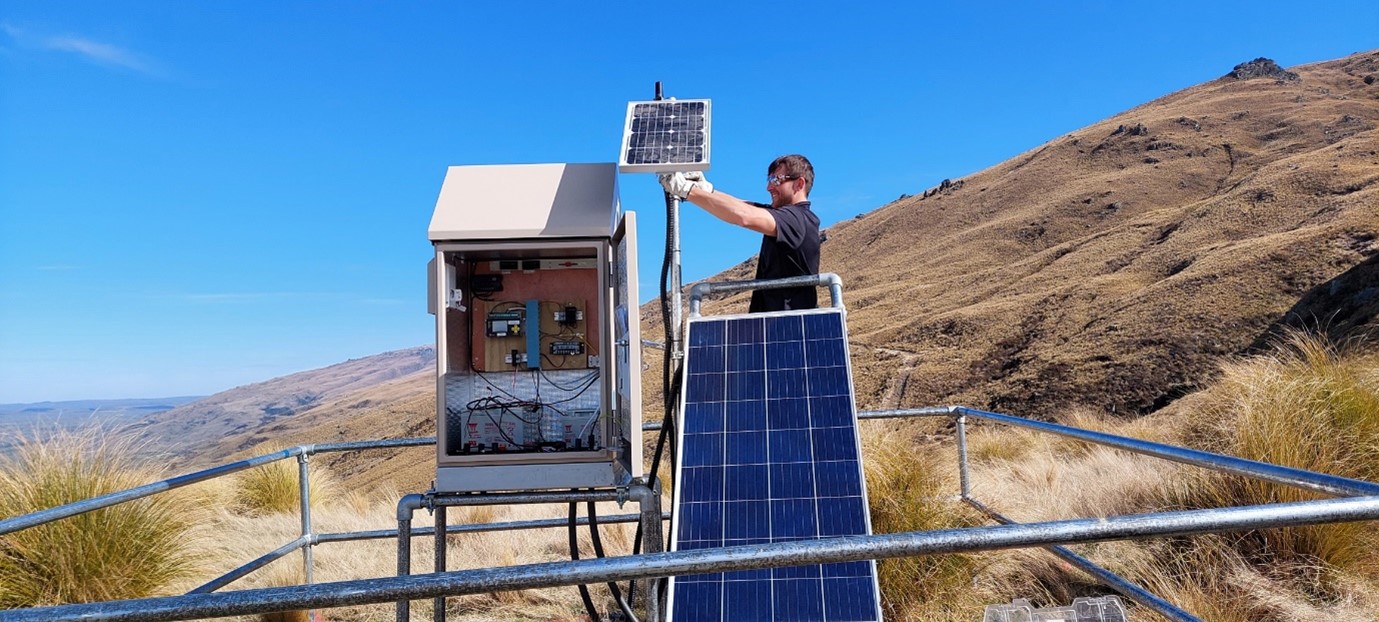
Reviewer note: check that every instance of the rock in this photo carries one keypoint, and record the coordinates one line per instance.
(1136, 130)
(1261, 68)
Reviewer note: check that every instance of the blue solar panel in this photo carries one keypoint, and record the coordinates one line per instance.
(769, 453)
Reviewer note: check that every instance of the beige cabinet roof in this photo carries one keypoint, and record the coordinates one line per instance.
(508, 201)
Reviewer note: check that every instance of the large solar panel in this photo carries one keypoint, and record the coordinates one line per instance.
(770, 453)
(665, 136)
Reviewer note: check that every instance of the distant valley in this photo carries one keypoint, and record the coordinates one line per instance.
(42, 418)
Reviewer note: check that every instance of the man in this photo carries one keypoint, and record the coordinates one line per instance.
(789, 229)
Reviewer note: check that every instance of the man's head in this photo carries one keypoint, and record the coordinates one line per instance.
(789, 179)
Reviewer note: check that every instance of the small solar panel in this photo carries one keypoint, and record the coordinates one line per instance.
(665, 136)
(770, 453)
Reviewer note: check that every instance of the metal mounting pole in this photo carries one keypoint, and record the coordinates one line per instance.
(649, 504)
(405, 506)
(439, 613)
(676, 347)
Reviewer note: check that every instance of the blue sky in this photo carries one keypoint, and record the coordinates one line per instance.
(199, 195)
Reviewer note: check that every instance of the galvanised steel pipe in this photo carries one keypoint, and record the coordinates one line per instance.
(440, 548)
(780, 554)
(1320, 482)
(304, 499)
(1116, 582)
(674, 336)
(389, 534)
(405, 508)
(833, 281)
(898, 413)
(104, 501)
(525, 498)
(238, 573)
(390, 443)
(964, 481)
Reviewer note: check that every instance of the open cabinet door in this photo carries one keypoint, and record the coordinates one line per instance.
(627, 340)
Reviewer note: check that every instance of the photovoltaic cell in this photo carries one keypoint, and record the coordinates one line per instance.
(664, 136)
(769, 453)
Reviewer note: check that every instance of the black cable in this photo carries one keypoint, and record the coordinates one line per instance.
(598, 552)
(590, 378)
(574, 555)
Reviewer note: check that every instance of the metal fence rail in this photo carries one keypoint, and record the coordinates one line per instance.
(115, 498)
(1361, 503)
(852, 548)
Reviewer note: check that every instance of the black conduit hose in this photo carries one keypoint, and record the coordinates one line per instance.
(574, 555)
(598, 552)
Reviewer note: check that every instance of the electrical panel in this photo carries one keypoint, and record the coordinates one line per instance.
(538, 349)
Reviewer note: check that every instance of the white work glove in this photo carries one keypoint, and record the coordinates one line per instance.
(679, 184)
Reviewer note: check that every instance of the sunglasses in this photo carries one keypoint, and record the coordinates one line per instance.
(776, 180)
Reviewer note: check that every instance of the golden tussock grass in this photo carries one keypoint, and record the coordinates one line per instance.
(275, 487)
(130, 550)
(1309, 405)
(233, 538)
(910, 488)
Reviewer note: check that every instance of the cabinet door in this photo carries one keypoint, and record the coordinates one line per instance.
(627, 340)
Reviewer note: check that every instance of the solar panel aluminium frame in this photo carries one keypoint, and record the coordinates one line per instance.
(701, 164)
(679, 484)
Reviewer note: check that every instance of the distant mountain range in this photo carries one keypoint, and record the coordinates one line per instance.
(248, 416)
(83, 410)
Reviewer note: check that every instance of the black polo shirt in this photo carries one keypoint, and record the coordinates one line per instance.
(793, 251)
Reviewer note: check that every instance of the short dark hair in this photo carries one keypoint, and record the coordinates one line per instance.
(794, 165)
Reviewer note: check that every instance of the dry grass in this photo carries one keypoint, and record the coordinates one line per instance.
(911, 488)
(234, 538)
(276, 488)
(1308, 405)
(130, 550)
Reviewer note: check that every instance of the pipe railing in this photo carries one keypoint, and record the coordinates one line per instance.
(753, 557)
(1361, 503)
(115, 498)
(833, 282)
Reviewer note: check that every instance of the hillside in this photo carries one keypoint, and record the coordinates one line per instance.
(208, 430)
(1113, 267)
(1109, 269)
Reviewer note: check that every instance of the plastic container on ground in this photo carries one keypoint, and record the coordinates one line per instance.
(1091, 609)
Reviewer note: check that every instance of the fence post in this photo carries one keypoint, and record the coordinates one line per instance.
(304, 490)
(963, 483)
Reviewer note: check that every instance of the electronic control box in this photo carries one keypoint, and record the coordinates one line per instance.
(533, 285)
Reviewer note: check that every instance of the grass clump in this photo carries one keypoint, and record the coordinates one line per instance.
(1309, 405)
(911, 488)
(274, 488)
(130, 550)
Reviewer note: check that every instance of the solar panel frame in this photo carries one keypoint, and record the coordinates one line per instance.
(665, 136)
(774, 501)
